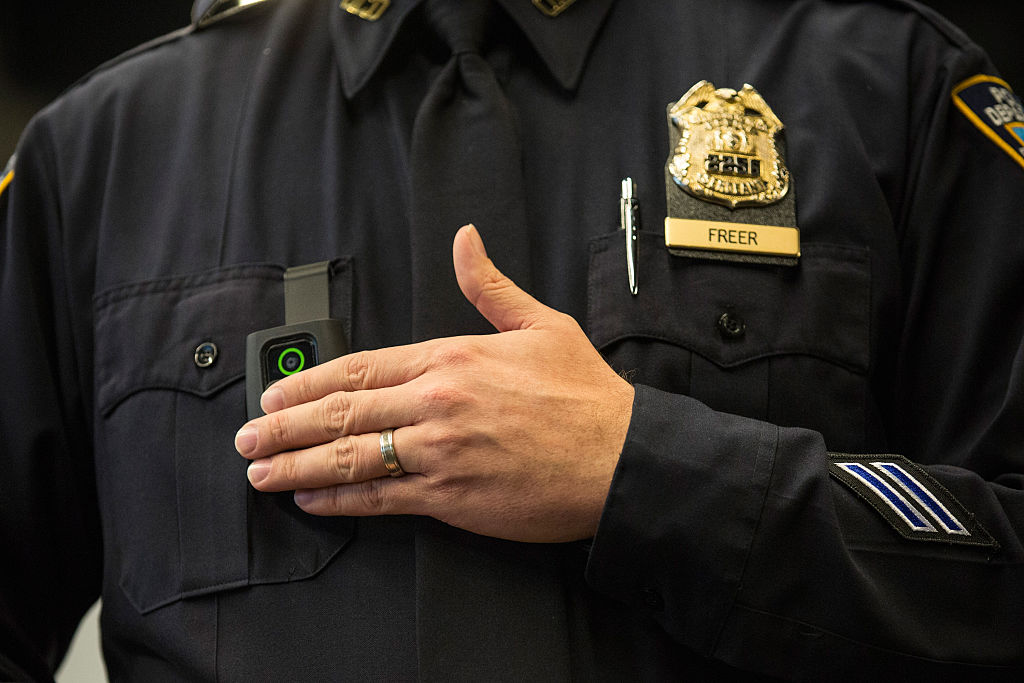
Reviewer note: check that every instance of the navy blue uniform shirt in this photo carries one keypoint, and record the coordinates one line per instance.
(155, 205)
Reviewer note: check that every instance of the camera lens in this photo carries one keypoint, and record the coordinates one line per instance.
(287, 356)
(290, 361)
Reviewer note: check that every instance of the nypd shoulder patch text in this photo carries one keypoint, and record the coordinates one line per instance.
(990, 104)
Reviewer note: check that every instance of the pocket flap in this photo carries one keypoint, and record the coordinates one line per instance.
(819, 308)
(149, 332)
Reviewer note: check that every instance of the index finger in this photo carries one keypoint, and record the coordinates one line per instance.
(376, 369)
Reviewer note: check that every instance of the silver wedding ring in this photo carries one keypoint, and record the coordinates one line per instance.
(387, 451)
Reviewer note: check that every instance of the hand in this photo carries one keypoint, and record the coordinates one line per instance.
(514, 435)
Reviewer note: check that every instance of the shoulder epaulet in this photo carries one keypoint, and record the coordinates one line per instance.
(124, 56)
(206, 12)
(7, 175)
(947, 29)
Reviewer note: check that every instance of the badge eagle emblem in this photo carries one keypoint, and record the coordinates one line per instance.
(727, 151)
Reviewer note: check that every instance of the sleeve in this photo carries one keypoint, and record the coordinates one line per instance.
(49, 526)
(754, 544)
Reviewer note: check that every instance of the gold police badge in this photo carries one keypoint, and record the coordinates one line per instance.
(727, 150)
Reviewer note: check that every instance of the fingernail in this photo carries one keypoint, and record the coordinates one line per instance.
(245, 439)
(476, 241)
(272, 400)
(304, 498)
(258, 471)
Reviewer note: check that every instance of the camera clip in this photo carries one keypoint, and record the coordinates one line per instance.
(308, 337)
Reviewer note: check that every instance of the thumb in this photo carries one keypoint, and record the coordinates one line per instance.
(498, 299)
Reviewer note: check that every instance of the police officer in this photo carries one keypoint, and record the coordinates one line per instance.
(673, 453)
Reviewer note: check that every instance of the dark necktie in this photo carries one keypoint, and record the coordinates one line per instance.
(466, 168)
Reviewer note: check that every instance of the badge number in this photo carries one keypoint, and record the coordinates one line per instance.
(727, 152)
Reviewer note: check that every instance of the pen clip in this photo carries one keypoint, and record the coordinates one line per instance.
(629, 220)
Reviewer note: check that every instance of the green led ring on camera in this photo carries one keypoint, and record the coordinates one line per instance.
(280, 361)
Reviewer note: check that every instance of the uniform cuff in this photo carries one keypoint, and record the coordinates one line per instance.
(682, 512)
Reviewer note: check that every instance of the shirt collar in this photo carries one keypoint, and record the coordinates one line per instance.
(563, 42)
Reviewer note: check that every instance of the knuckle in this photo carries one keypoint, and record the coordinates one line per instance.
(372, 495)
(341, 460)
(335, 413)
(454, 354)
(443, 439)
(357, 371)
(302, 387)
(279, 428)
(287, 468)
(442, 397)
(330, 501)
(444, 493)
(567, 321)
(494, 281)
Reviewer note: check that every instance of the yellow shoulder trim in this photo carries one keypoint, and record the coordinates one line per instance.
(980, 78)
(976, 120)
(222, 9)
(5, 181)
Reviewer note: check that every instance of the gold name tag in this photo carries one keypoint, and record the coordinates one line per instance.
(747, 238)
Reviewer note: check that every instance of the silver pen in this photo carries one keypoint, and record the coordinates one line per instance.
(629, 219)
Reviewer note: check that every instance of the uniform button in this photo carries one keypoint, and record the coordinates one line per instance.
(206, 354)
(652, 599)
(731, 326)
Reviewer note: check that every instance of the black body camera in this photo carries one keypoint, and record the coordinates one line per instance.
(272, 355)
(279, 352)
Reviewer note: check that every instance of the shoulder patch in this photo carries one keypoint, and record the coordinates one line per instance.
(7, 175)
(990, 104)
(915, 504)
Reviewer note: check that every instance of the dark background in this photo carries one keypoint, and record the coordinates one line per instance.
(45, 45)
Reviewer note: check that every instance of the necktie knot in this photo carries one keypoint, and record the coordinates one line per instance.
(461, 24)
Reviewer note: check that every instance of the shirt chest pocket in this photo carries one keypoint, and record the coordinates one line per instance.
(180, 519)
(788, 345)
